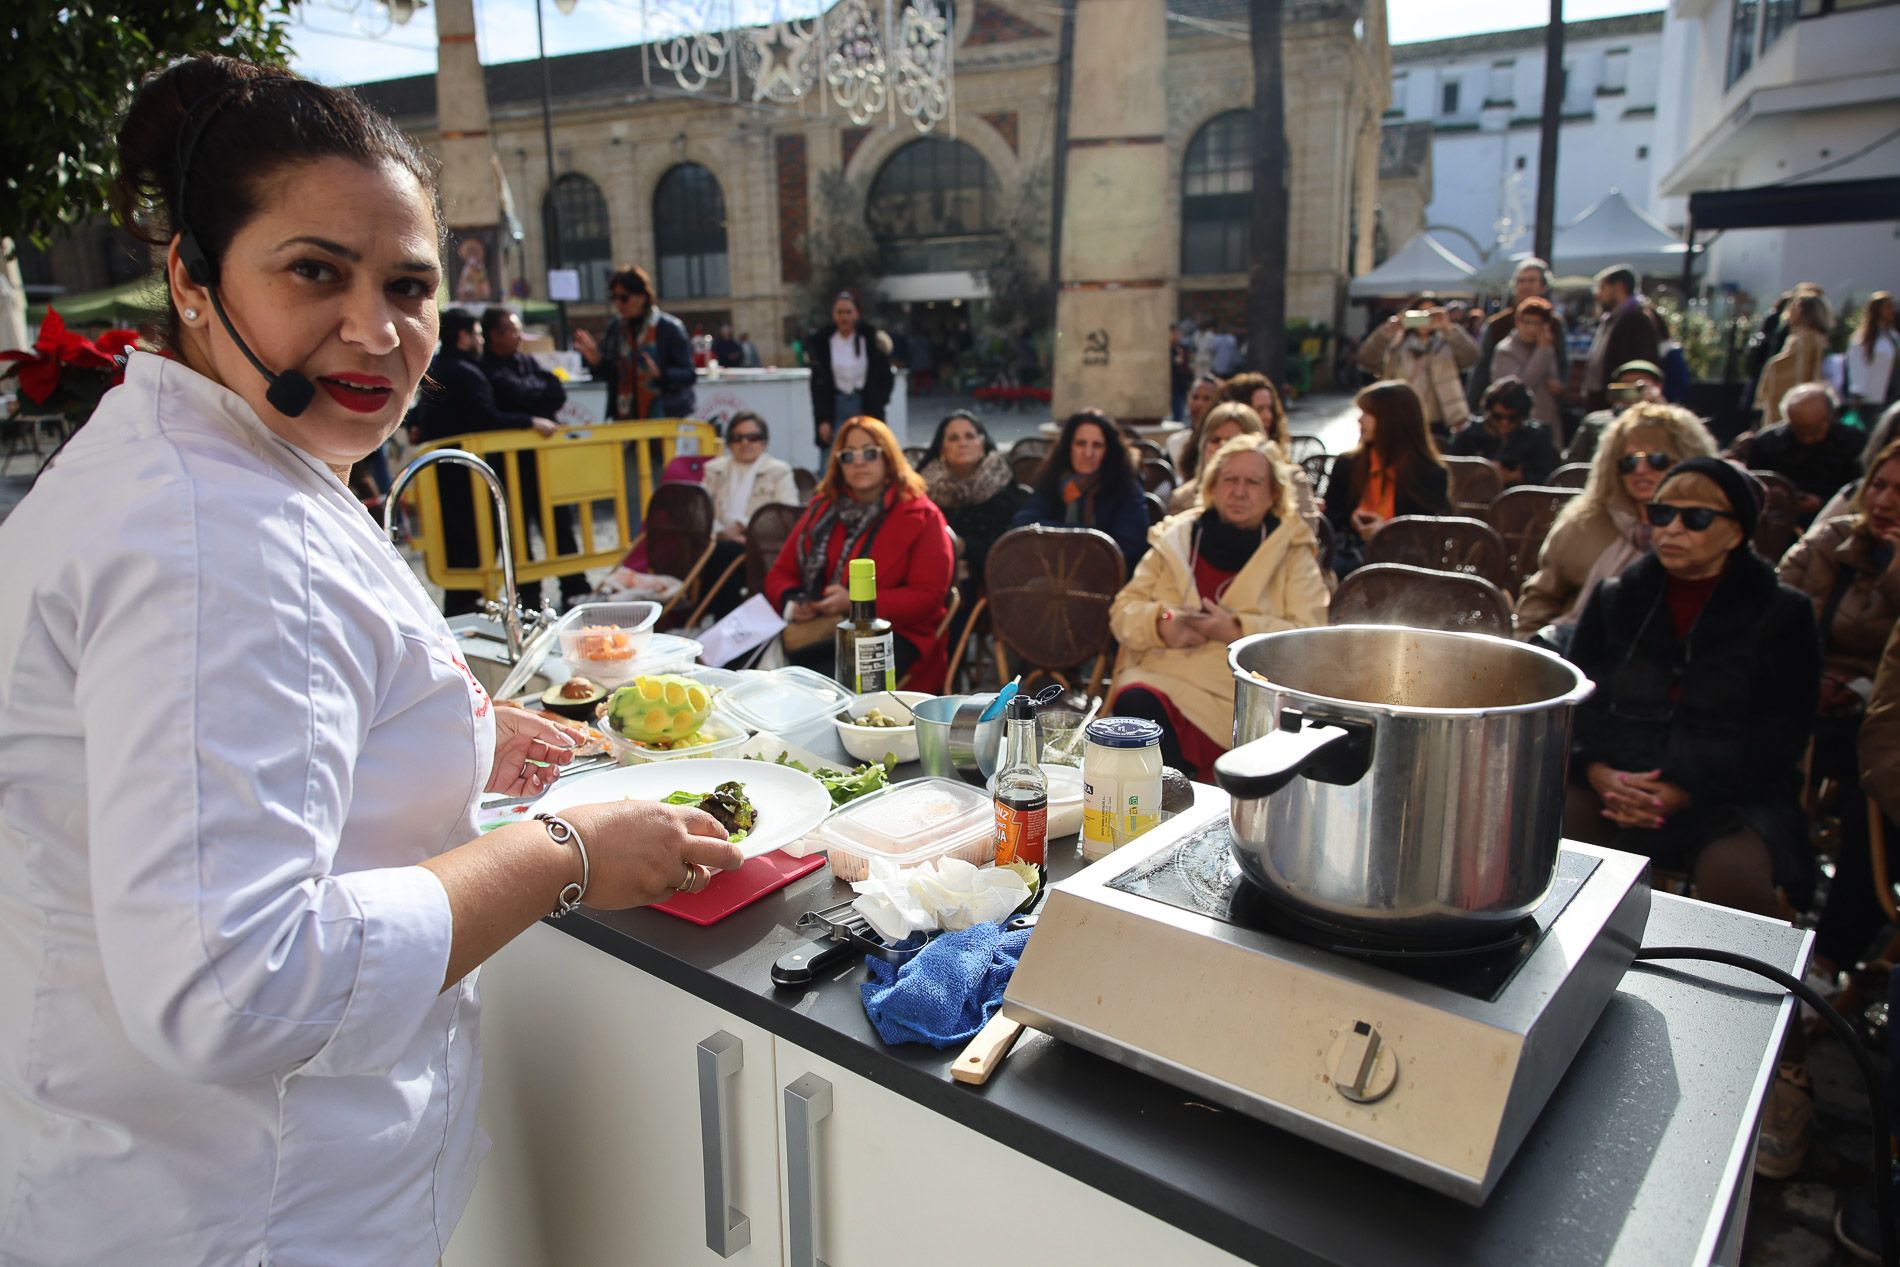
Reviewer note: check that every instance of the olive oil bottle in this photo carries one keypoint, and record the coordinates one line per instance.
(866, 646)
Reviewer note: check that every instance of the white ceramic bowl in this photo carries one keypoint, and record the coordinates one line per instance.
(870, 743)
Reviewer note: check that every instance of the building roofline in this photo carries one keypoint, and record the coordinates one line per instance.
(1527, 37)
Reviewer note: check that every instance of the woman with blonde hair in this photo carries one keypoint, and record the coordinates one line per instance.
(1242, 563)
(1602, 531)
(870, 504)
(1802, 352)
(1219, 425)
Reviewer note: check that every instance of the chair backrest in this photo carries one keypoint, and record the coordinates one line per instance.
(1049, 593)
(1522, 517)
(765, 535)
(1447, 543)
(1025, 466)
(806, 482)
(678, 527)
(1030, 446)
(1158, 475)
(1305, 446)
(1424, 598)
(1323, 534)
(1319, 471)
(1475, 483)
(1147, 450)
(1156, 506)
(914, 454)
(1780, 521)
(1570, 475)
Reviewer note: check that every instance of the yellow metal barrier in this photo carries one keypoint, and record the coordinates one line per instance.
(580, 467)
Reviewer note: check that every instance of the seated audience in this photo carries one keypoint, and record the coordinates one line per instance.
(970, 480)
(1529, 353)
(1521, 449)
(869, 504)
(1256, 392)
(1429, 358)
(1222, 423)
(1088, 481)
(1812, 448)
(1634, 383)
(1242, 564)
(1394, 470)
(740, 480)
(1601, 531)
(1202, 396)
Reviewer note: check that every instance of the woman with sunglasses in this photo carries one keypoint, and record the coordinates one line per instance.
(1602, 531)
(1522, 449)
(740, 480)
(869, 504)
(645, 357)
(1088, 481)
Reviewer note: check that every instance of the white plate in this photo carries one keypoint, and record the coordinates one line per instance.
(789, 802)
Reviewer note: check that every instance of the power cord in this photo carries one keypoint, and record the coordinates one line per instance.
(1876, 1098)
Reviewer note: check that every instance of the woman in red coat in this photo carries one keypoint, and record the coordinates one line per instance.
(870, 504)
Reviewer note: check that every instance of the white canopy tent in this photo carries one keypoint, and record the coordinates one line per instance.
(1610, 232)
(1420, 265)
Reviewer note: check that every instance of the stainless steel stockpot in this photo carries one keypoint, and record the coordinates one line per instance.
(1399, 783)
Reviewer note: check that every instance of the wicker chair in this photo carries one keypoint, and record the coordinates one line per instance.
(1025, 468)
(1156, 506)
(807, 484)
(1323, 535)
(1048, 593)
(1143, 450)
(914, 454)
(1303, 446)
(765, 536)
(678, 532)
(1445, 543)
(1475, 484)
(1780, 522)
(1522, 516)
(1570, 475)
(1319, 471)
(1159, 476)
(1036, 447)
(1424, 598)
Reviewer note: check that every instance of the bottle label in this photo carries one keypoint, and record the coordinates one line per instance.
(1022, 835)
(876, 667)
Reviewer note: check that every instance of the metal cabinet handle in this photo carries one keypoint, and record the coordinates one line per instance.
(807, 1103)
(720, 1057)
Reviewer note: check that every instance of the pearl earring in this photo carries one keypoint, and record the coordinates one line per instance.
(191, 314)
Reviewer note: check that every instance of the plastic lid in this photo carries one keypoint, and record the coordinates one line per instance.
(912, 822)
(1124, 732)
(863, 580)
(784, 700)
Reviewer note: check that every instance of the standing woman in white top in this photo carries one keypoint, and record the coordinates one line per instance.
(242, 897)
(1871, 354)
(850, 368)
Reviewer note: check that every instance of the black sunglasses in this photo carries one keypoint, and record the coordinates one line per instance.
(1694, 518)
(1657, 462)
(744, 437)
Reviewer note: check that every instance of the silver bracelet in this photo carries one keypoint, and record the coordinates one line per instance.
(562, 832)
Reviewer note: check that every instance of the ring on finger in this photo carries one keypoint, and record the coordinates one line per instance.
(692, 878)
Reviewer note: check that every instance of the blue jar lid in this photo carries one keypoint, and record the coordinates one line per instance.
(1124, 732)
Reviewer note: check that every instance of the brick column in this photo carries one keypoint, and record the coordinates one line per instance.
(1119, 235)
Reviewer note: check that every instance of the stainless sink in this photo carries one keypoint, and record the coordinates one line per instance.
(484, 645)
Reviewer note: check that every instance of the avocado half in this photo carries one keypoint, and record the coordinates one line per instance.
(576, 698)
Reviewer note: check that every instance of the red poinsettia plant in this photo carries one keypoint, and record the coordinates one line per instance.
(67, 371)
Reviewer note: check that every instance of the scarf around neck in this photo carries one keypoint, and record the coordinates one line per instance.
(991, 476)
(859, 518)
(1225, 546)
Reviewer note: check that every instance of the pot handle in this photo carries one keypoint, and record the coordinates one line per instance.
(1333, 750)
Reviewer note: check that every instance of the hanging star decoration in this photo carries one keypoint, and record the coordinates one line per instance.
(782, 50)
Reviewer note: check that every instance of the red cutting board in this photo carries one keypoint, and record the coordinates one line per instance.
(731, 890)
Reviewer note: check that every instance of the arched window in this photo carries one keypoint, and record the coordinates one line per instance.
(1216, 193)
(689, 234)
(933, 208)
(576, 208)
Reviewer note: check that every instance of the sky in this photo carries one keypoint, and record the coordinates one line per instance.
(338, 46)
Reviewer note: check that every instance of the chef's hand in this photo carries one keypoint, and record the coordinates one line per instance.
(585, 345)
(643, 851)
(1175, 630)
(530, 748)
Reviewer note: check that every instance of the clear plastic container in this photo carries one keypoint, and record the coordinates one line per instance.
(605, 642)
(663, 653)
(910, 823)
(720, 734)
(784, 700)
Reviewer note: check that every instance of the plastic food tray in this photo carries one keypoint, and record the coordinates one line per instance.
(911, 823)
(784, 700)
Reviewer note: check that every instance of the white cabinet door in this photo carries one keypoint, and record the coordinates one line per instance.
(592, 1097)
(896, 1183)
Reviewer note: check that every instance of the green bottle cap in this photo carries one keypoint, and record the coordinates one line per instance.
(864, 580)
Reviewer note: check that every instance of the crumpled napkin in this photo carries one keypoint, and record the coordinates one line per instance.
(946, 893)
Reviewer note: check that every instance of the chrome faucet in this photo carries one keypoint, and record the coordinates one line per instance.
(508, 610)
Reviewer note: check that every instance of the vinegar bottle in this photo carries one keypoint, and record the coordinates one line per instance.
(1022, 793)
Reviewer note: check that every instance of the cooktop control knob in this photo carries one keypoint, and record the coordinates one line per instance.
(1363, 1066)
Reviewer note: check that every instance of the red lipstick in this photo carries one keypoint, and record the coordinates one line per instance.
(358, 393)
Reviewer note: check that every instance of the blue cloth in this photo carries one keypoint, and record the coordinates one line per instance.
(947, 991)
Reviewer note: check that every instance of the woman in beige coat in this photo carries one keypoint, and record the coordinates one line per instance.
(740, 480)
(1429, 358)
(1242, 564)
(1601, 531)
(1801, 355)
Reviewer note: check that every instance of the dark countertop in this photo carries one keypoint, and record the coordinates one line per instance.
(1635, 1159)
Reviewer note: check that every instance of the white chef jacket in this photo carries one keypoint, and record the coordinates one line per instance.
(231, 723)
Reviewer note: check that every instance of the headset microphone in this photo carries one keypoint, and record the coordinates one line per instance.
(290, 392)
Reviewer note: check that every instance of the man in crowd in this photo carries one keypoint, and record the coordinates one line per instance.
(748, 352)
(460, 401)
(726, 350)
(522, 385)
(1625, 332)
(1532, 280)
(1816, 451)
(1223, 351)
(1633, 383)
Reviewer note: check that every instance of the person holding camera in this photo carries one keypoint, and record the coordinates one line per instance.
(1634, 383)
(1422, 346)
